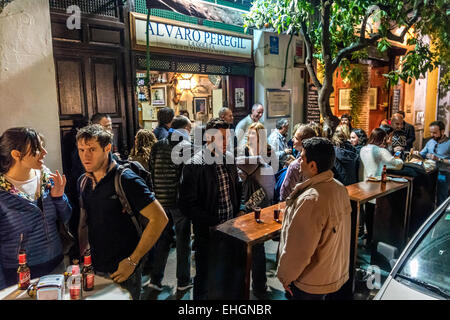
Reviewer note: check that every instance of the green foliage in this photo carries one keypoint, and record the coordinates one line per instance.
(345, 19)
(355, 76)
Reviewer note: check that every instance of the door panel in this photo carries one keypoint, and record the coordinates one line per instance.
(105, 87)
(70, 84)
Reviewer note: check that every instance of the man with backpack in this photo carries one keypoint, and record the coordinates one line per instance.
(109, 223)
(166, 163)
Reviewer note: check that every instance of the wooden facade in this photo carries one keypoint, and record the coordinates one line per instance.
(93, 72)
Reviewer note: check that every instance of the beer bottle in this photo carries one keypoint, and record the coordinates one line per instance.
(23, 272)
(384, 174)
(88, 272)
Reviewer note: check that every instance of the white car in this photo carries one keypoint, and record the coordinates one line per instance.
(422, 271)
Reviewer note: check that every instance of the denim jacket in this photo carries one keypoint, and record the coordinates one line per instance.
(41, 239)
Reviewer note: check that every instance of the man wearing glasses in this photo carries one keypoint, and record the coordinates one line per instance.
(438, 149)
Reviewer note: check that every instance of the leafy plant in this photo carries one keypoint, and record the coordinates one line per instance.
(337, 31)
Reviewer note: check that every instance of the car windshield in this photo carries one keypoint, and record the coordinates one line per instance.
(428, 264)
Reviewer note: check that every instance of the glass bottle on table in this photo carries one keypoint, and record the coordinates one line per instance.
(88, 272)
(384, 175)
(23, 271)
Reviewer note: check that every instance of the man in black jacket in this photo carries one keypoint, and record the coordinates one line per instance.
(165, 167)
(398, 123)
(209, 194)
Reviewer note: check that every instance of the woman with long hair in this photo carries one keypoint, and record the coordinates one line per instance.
(374, 156)
(143, 143)
(32, 202)
(258, 182)
(358, 139)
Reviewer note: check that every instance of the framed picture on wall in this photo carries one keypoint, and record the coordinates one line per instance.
(344, 99)
(159, 96)
(239, 97)
(373, 98)
(278, 103)
(200, 105)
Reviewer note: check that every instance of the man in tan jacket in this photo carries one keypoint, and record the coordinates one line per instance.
(314, 247)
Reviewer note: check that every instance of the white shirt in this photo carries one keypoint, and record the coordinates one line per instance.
(28, 187)
(373, 158)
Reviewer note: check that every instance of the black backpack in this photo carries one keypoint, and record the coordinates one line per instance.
(139, 221)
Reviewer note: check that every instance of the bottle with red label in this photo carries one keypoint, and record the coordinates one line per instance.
(384, 174)
(88, 272)
(23, 272)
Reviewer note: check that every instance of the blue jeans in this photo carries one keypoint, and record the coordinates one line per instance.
(443, 183)
(183, 246)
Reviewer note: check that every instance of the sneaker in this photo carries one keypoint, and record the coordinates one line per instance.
(157, 287)
(188, 286)
(145, 280)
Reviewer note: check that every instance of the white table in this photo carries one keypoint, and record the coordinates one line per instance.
(105, 289)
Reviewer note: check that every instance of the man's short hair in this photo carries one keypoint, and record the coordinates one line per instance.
(306, 131)
(96, 132)
(180, 122)
(222, 111)
(439, 124)
(165, 115)
(282, 123)
(321, 151)
(216, 123)
(256, 105)
(96, 118)
(402, 113)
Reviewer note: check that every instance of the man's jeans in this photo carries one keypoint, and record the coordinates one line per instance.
(443, 182)
(133, 284)
(302, 295)
(183, 248)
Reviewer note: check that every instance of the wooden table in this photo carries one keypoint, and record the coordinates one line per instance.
(363, 192)
(246, 230)
(422, 198)
(104, 289)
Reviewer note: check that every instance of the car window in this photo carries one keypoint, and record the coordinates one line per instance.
(429, 263)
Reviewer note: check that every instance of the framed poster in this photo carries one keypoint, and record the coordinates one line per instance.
(159, 96)
(148, 112)
(200, 105)
(239, 97)
(344, 99)
(373, 98)
(278, 103)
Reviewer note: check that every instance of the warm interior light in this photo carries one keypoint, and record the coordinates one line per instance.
(184, 84)
(186, 76)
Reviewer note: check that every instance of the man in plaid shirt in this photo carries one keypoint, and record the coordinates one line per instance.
(210, 194)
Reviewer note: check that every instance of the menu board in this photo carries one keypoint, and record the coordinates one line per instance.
(312, 105)
(395, 101)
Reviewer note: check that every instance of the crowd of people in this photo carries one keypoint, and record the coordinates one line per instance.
(195, 184)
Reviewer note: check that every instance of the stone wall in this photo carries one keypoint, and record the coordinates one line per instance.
(27, 73)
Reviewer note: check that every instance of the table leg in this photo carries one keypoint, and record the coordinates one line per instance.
(248, 266)
(355, 248)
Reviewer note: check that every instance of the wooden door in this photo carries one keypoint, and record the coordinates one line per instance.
(235, 85)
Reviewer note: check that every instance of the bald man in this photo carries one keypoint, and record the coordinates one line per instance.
(398, 123)
(242, 126)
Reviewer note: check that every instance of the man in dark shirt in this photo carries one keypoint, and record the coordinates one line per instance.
(165, 117)
(117, 249)
(209, 194)
(398, 122)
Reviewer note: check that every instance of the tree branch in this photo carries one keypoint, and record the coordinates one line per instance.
(309, 55)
